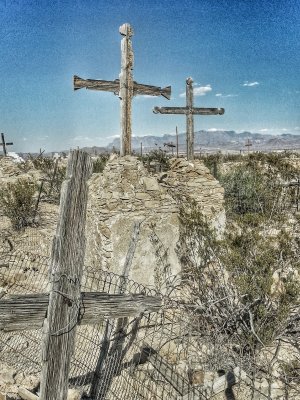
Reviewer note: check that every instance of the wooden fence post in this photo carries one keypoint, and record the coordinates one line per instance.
(111, 355)
(65, 273)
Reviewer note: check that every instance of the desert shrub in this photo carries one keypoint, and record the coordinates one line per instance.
(256, 188)
(158, 155)
(53, 175)
(99, 163)
(213, 162)
(18, 203)
(230, 282)
(44, 164)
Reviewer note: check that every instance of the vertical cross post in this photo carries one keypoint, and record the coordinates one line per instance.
(4, 144)
(189, 119)
(177, 142)
(126, 88)
(66, 272)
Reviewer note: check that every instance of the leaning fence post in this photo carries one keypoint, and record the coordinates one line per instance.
(110, 356)
(65, 273)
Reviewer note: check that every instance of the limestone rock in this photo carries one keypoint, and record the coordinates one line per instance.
(7, 375)
(74, 394)
(126, 192)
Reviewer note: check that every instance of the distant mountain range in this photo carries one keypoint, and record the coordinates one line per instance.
(205, 141)
(217, 140)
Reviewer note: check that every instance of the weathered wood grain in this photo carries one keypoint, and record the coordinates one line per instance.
(27, 312)
(65, 273)
(189, 119)
(114, 87)
(96, 84)
(185, 110)
(139, 88)
(126, 88)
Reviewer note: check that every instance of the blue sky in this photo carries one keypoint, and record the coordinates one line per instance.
(243, 56)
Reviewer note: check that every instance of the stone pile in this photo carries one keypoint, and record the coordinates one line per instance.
(14, 383)
(123, 194)
(126, 192)
(193, 181)
(10, 171)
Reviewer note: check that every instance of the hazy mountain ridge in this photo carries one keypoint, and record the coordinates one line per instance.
(226, 140)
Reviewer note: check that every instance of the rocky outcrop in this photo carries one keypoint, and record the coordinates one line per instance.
(188, 181)
(123, 194)
(126, 192)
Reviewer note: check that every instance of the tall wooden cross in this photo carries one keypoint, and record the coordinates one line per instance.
(65, 306)
(124, 87)
(4, 144)
(189, 111)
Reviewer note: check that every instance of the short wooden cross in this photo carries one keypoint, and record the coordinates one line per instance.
(124, 87)
(189, 111)
(60, 311)
(248, 144)
(4, 144)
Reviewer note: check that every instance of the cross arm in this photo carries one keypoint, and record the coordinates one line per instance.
(26, 312)
(186, 110)
(139, 88)
(96, 84)
(208, 111)
(170, 110)
(114, 86)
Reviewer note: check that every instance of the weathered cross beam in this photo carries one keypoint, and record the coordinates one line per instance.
(27, 312)
(124, 87)
(189, 111)
(60, 311)
(4, 144)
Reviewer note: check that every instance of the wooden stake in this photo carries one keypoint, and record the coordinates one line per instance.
(177, 142)
(189, 119)
(126, 88)
(66, 272)
(110, 358)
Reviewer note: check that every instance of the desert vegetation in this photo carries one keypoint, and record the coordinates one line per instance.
(245, 286)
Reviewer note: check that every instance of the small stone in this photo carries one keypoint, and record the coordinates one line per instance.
(7, 376)
(12, 396)
(142, 196)
(150, 184)
(151, 204)
(74, 394)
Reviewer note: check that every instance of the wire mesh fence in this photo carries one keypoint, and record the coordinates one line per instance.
(220, 333)
(159, 355)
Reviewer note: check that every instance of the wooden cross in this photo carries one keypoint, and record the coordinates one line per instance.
(5, 144)
(171, 145)
(60, 311)
(124, 87)
(248, 144)
(189, 111)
